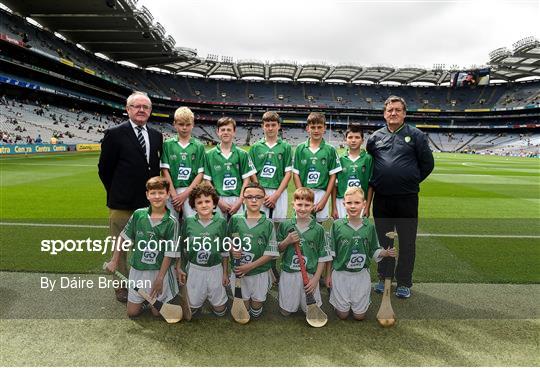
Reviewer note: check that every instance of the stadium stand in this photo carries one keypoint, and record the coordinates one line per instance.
(82, 94)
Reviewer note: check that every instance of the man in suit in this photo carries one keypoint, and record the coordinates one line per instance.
(130, 154)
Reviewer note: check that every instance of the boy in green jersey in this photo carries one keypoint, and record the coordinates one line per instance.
(258, 240)
(152, 232)
(303, 229)
(316, 164)
(272, 158)
(202, 238)
(182, 163)
(354, 243)
(228, 168)
(357, 166)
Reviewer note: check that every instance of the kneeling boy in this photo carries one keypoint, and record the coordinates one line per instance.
(354, 243)
(150, 264)
(202, 238)
(303, 229)
(258, 241)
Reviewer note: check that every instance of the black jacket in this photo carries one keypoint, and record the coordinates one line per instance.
(401, 160)
(123, 168)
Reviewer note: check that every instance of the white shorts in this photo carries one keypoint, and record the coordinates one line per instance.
(254, 287)
(350, 291)
(170, 285)
(231, 201)
(206, 283)
(280, 211)
(292, 294)
(323, 214)
(342, 212)
(186, 208)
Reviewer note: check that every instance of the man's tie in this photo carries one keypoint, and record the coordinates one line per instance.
(140, 137)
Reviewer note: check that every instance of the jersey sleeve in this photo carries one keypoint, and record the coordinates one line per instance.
(171, 235)
(128, 232)
(287, 158)
(296, 161)
(332, 240)
(165, 163)
(271, 248)
(334, 163)
(374, 248)
(253, 156)
(246, 165)
(282, 232)
(324, 251)
(224, 253)
(207, 171)
(201, 159)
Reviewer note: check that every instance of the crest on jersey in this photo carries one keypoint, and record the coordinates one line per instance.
(407, 139)
(323, 161)
(184, 156)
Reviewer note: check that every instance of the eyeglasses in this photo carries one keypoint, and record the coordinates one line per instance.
(139, 107)
(253, 198)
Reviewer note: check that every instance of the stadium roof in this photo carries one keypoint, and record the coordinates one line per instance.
(123, 32)
(115, 28)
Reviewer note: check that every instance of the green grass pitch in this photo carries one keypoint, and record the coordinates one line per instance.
(474, 300)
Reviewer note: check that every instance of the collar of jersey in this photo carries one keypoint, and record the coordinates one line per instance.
(211, 220)
(362, 153)
(149, 213)
(263, 141)
(323, 143)
(261, 219)
(233, 148)
(364, 222)
(189, 142)
(311, 223)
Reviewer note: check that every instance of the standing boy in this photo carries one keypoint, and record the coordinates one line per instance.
(259, 247)
(272, 158)
(182, 162)
(150, 264)
(316, 164)
(356, 165)
(354, 243)
(303, 229)
(202, 237)
(228, 168)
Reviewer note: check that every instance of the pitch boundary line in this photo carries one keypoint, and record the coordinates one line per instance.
(424, 235)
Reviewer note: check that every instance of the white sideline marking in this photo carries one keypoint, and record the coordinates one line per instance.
(52, 225)
(426, 235)
(31, 164)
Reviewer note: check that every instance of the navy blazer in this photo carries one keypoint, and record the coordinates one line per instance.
(123, 168)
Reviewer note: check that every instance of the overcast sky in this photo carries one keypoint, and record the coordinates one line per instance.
(364, 32)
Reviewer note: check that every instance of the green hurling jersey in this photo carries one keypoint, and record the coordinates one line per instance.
(227, 174)
(354, 173)
(147, 251)
(204, 244)
(184, 164)
(315, 168)
(259, 237)
(312, 245)
(352, 249)
(271, 163)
